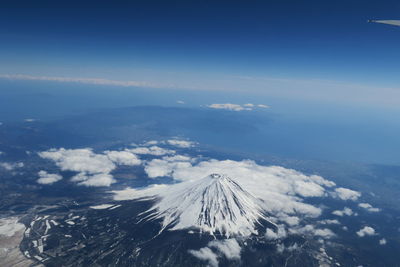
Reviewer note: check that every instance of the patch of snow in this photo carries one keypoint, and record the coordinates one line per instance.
(9, 226)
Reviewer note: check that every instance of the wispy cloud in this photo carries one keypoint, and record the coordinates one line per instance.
(95, 81)
(307, 90)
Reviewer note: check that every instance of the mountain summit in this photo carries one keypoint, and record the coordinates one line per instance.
(215, 204)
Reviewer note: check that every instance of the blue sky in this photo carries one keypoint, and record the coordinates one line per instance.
(319, 65)
(313, 50)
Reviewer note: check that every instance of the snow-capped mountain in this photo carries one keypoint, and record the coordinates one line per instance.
(215, 204)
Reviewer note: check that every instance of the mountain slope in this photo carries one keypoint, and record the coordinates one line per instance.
(215, 204)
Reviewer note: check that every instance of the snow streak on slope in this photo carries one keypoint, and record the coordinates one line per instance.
(214, 204)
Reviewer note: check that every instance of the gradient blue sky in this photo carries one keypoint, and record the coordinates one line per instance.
(331, 79)
(313, 50)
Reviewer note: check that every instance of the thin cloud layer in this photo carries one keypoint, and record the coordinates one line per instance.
(95, 81)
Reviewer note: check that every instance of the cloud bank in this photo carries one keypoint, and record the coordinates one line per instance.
(282, 191)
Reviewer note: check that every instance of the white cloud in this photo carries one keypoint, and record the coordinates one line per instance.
(347, 194)
(48, 178)
(7, 166)
(206, 254)
(248, 105)
(99, 179)
(11, 166)
(368, 207)
(280, 233)
(280, 248)
(228, 106)
(325, 233)
(329, 222)
(123, 157)
(177, 158)
(180, 143)
(158, 151)
(262, 106)
(151, 143)
(289, 220)
(237, 107)
(153, 150)
(93, 169)
(228, 248)
(382, 242)
(163, 167)
(180, 102)
(311, 230)
(79, 160)
(346, 211)
(366, 231)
